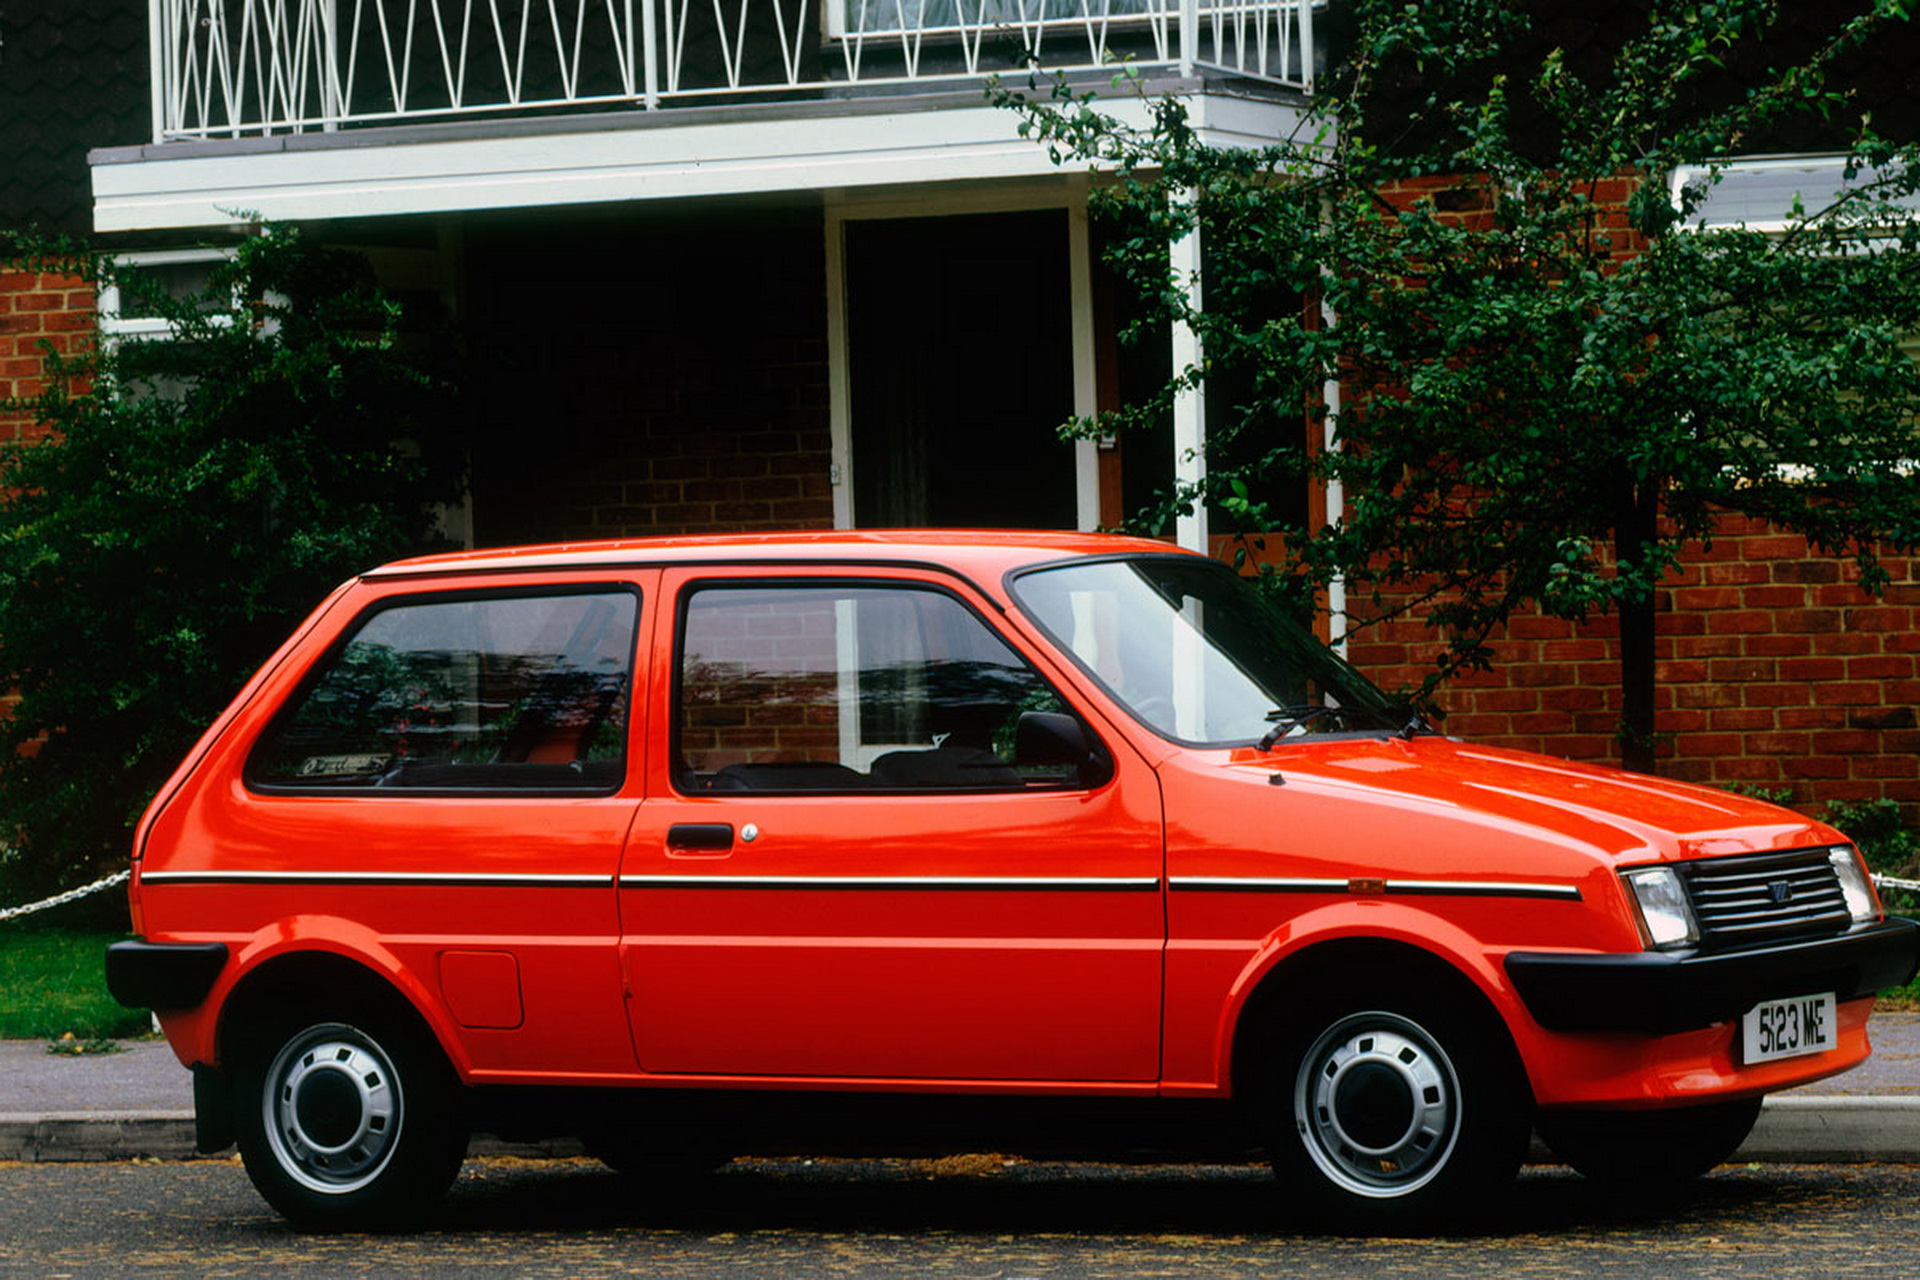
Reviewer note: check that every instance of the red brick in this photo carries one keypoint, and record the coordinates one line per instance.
(1740, 622)
(1745, 719)
(1773, 597)
(1847, 693)
(1815, 668)
(1806, 571)
(1774, 547)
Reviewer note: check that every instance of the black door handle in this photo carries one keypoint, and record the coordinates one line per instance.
(700, 835)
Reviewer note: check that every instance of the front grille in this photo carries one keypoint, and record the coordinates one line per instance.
(1763, 896)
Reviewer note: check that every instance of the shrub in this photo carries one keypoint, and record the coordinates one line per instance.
(193, 499)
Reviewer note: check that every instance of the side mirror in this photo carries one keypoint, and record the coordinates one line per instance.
(1048, 738)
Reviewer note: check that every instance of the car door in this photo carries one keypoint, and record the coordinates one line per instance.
(843, 868)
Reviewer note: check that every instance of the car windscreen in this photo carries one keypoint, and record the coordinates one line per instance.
(1198, 654)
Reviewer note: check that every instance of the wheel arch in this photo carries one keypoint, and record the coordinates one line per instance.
(1356, 960)
(315, 977)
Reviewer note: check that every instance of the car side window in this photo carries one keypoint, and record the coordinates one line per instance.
(505, 692)
(856, 688)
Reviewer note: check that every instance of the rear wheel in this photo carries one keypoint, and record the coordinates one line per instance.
(348, 1120)
(1395, 1107)
(1640, 1148)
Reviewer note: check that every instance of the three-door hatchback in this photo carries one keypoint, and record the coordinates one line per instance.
(700, 847)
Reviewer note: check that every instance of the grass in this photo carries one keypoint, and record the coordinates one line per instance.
(53, 983)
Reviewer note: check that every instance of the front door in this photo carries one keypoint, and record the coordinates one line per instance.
(845, 869)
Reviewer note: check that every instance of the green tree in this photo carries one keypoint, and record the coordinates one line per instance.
(195, 497)
(1548, 391)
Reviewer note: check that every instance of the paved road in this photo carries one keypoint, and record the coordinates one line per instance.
(976, 1219)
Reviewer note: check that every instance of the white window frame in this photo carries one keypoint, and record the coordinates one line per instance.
(116, 327)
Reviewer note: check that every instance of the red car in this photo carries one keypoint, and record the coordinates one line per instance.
(707, 845)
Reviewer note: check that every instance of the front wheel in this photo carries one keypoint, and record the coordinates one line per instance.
(1396, 1108)
(1648, 1148)
(349, 1122)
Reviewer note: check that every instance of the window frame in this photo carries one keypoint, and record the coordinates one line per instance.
(116, 327)
(678, 776)
(329, 658)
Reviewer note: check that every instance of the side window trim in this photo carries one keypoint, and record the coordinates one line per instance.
(516, 780)
(687, 589)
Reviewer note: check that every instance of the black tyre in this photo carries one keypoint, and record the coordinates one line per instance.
(1398, 1107)
(349, 1122)
(1640, 1149)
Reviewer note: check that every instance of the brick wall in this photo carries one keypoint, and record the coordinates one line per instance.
(37, 308)
(1775, 671)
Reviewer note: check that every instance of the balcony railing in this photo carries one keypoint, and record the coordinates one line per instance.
(231, 68)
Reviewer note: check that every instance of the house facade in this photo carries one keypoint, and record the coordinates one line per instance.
(738, 265)
(757, 264)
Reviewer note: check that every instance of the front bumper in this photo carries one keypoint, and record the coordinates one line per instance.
(1658, 993)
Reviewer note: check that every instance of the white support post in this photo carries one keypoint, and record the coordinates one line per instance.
(1305, 45)
(333, 96)
(839, 380)
(163, 70)
(1189, 36)
(1086, 453)
(650, 55)
(1190, 405)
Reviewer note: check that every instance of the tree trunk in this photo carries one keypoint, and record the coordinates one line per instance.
(1635, 530)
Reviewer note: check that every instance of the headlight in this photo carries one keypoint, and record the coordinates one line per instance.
(1662, 900)
(1854, 884)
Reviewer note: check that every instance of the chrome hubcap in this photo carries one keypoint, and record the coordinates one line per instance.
(333, 1109)
(1377, 1105)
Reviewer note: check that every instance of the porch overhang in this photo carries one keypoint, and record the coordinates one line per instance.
(735, 150)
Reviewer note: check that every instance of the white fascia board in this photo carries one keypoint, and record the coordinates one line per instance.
(319, 176)
(1758, 192)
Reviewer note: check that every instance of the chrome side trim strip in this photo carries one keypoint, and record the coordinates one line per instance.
(1258, 884)
(1070, 883)
(420, 878)
(1414, 888)
(1486, 889)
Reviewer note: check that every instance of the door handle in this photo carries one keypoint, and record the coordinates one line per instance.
(711, 837)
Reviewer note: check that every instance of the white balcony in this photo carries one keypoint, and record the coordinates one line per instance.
(228, 69)
(314, 109)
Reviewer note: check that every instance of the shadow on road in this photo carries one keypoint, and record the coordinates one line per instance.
(984, 1195)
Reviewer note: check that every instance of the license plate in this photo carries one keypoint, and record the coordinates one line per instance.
(1776, 1029)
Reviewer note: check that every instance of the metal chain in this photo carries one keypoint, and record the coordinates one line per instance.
(1892, 882)
(62, 899)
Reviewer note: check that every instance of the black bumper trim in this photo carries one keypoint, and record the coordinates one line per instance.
(163, 975)
(1661, 992)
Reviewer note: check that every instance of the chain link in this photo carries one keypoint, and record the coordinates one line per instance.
(62, 899)
(1893, 882)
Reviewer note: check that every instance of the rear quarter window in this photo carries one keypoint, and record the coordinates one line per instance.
(510, 692)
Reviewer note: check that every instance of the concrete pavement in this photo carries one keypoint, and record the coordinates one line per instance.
(140, 1103)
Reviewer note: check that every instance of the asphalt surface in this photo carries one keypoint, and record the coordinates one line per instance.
(139, 1102)
(899, 1220)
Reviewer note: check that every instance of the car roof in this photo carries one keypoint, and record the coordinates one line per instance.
(980, 553)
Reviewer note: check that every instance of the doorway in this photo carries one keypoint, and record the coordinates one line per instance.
(960, 370)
